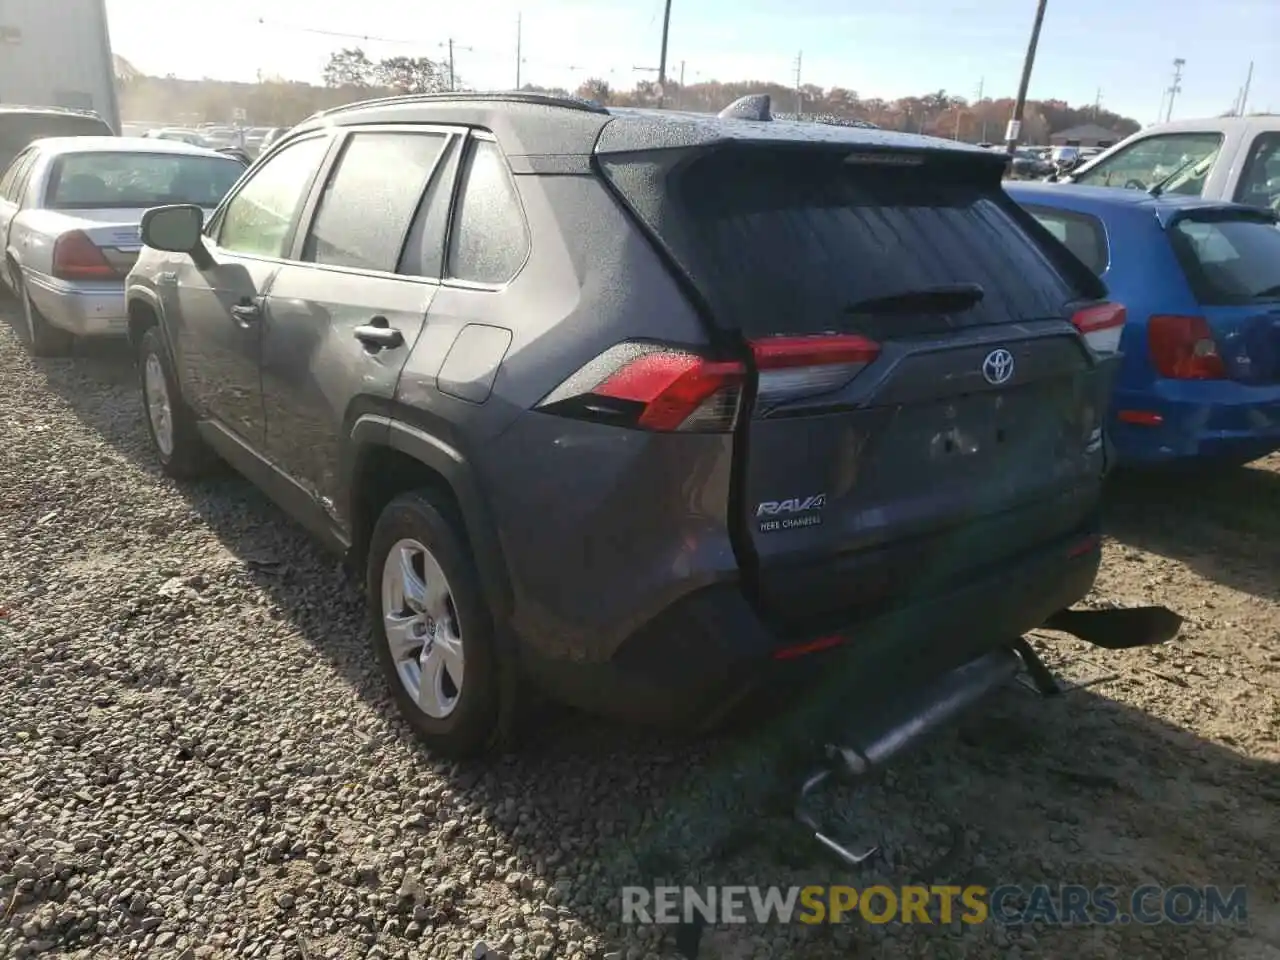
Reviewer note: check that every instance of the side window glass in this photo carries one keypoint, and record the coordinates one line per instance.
(1260, 179)
(488, 243)
(23, 179)
(424, 249)
(10, 175)
(1140, 166)
(1081, 234)
(17, 176)
(258, 218)
(370, 199)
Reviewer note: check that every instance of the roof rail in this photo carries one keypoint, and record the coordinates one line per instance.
(46, 108)
(513, 96)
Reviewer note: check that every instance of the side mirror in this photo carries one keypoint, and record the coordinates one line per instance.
(174, 229)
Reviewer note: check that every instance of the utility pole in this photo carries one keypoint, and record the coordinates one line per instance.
(799, 95)
(1097, 105)
(1020, 104)
(1175, 88)
(1244, 94)
(452, 76)
(662, 57)
(982, 85)
(519, 31)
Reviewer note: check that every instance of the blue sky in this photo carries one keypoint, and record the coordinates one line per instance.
(1123, 47)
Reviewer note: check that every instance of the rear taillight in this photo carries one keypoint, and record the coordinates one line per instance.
(1183, 348)
(1101, 325)
(794, 367)
(652, 387)
(76, 257)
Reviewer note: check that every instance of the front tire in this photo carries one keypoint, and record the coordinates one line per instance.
(43, 338)
(181, 450)
(432, 634)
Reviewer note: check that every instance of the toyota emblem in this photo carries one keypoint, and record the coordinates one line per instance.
(997, 368)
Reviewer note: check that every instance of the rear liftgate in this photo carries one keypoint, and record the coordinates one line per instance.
(931, 707)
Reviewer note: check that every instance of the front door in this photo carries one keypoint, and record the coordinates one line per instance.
(346, 310)
(221, 303)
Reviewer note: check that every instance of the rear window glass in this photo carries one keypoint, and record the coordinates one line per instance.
(104, 180)
(1078, 232)
(787, 243)
(19, 129)
(1230, 261)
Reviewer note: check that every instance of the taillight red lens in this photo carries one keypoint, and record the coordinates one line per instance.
(652, 387)
(793, 367)
(1183, 348)
(1101, 325)
(76, 257)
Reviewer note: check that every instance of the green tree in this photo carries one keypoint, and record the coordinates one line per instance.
(410, 75)
(348, 67)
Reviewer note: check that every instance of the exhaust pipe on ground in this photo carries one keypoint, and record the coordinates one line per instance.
(903, 725)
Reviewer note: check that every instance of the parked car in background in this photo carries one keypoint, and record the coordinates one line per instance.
(70, 210)
(1028, 163)
(1220, 158)
(179, 134)
(271, 135)
(732, 397)
(19, 126)
(1200, 380)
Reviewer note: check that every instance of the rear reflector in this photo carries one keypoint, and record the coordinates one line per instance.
(1140, 418)
(1182, 348)
(1101, 325)
(794, 367)
(797, 650)
(652, 387)
(76, 257)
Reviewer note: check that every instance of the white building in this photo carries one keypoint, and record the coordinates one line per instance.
(57, 53)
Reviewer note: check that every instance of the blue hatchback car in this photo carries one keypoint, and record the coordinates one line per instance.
(1200, 378)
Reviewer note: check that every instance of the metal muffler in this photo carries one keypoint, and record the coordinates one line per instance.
(913, 717)
(902, 725)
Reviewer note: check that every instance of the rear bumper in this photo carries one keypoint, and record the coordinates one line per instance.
(86, 310)
(1189, 420)
(710, 652)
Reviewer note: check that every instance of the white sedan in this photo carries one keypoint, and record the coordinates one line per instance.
(70, 209)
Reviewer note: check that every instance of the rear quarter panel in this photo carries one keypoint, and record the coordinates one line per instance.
(1144, 275)
(601, 527)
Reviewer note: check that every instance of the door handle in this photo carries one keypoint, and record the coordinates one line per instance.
(379, 334)
(246, 313)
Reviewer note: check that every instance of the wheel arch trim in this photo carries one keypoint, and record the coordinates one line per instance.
(372, 431)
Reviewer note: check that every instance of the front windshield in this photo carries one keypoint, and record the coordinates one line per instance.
(1146, 162)
(102, 180)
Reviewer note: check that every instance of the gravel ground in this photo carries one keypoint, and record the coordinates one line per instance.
(197, 758)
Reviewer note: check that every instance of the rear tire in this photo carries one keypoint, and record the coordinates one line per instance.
(43, 338)
(430, 622)
(181, 450)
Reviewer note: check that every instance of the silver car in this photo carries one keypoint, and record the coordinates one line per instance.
(69, 214)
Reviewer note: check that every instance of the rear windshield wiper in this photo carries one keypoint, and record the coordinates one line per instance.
(945, 298)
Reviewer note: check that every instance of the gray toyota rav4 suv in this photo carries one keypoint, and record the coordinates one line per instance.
(638, 409)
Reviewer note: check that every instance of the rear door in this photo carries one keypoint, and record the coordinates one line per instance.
(347, 309)
(923, 405)
(1231, 257)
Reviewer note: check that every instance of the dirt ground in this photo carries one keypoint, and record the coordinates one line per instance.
(161, 621)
